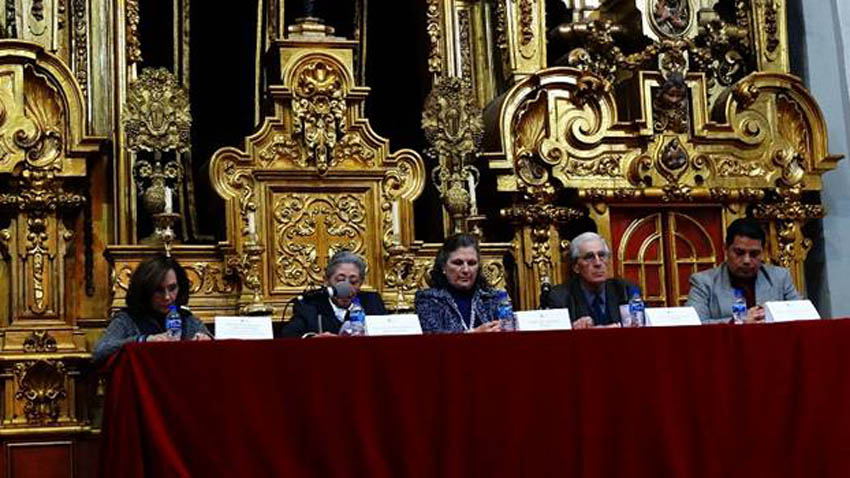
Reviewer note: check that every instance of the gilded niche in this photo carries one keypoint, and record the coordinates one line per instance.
(308, 225)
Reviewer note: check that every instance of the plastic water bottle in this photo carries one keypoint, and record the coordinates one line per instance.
(739, 307)
(505, 312)
(636, 309)
(356, 323)
(174, 323)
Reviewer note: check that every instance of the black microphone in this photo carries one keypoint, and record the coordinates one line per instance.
(340, 289)
(545, 290)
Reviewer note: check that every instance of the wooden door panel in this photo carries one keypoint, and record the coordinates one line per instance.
(659, 249)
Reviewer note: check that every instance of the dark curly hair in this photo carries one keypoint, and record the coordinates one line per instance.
(438, 279)
(146, 280)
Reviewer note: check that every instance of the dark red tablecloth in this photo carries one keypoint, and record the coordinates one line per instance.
(713, 401)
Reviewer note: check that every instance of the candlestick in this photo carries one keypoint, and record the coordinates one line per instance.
(169, 206)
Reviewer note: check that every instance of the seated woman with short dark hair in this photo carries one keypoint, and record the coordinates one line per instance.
(157, 284)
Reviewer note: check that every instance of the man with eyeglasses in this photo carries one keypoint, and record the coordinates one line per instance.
(592, 298)
(712, 291)
(318, 314)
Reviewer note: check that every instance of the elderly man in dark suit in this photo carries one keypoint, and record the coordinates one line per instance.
(319, 314)
(592, 298)
(712, 292)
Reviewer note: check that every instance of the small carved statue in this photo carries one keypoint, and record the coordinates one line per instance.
(670, 105)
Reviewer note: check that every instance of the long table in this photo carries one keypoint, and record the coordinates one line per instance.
(713, 401)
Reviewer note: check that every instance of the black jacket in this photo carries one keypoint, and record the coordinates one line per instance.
(307, 312)
(570, 296)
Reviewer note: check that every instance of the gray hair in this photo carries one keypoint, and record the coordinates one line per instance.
(575, 244)
(345, 257)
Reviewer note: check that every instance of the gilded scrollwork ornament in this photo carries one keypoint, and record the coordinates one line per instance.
(454, 127)
(156, 115)
(285, 148)
(40, 386)
(303, 223)
(318, 109)
(40, 341)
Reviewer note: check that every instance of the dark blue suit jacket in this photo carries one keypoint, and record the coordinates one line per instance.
(308, 312)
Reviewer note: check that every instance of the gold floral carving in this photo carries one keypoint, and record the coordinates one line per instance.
(452, 121)
(40, 385)
(771, 27)
(465, 40)
(36, 253)
(434, 28)
(157, 116)
(208, 279)
(790, 214)
(526, 21)
(307, 224)
(39, 341)
(283, 147)
(81, 47)
(605, 166)
(351, 147)
(134, 46)
(738, 168)
(502, 33)
(318, 107)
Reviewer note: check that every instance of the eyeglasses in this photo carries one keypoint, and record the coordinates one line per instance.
(601, 255)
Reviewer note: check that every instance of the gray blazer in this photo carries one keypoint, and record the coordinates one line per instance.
(712, 295)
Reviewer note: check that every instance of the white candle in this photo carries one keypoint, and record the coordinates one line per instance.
(473, 203)
(396, 220)
(169, 206)
(252, 224)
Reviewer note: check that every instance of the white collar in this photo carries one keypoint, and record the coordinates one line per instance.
(339, 312)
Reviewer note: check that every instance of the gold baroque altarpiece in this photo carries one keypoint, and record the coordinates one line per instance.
(657, 122)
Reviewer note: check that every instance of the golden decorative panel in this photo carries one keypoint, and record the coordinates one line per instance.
(305, 224)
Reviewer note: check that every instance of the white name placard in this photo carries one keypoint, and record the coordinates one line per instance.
(788, 310)
(395, 324)
(671, 316)
(243, 327)
(548, 319)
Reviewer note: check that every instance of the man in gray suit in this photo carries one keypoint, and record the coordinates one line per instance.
(592, 298)
(713, 291)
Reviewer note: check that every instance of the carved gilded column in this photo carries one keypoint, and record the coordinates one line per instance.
(770, 30)
(44, 146)
(522, 37)
(538, 245)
